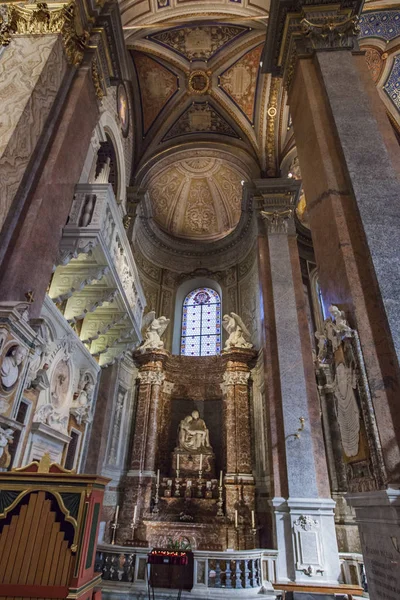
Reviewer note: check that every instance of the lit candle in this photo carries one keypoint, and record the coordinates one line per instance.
(134, 514)
(177, 462)
(253, 521)
(236, 518)
(116, 514)
(158, 476)
(201, 462)
(220, 479)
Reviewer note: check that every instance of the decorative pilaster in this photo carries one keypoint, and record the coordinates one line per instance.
(239, 480)
(139, 480)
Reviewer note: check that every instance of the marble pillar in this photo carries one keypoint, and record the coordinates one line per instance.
(351, 180)
(304, 521)
(139, 481)
(32, 251)
(239, 479)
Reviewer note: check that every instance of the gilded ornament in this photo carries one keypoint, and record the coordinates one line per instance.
(97, 79)
(38, 19)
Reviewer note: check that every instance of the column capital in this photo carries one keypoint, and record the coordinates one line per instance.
(297, 29)
(41, 19)
(276, 200)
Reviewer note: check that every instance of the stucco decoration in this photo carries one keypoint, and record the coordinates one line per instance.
(239, 82)
(197, 198)
(157, 85)
(198, 43)
(200, 117)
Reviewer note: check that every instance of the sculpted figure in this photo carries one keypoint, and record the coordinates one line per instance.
(239, 336)
(6, 437)
(348, 413)
(153, 329)
(341, 324)
(10, 366)
(82, 402)
(48, 416)
(193, 434)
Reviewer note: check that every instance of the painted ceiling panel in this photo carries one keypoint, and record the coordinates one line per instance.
(157, 86)
(239, 82)
(199, 42)
(200, 117)
(381, 24)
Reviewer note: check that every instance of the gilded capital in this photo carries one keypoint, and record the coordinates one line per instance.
(277, 221)
(40, 19)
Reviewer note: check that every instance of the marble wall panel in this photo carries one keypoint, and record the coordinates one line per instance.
(31, 72)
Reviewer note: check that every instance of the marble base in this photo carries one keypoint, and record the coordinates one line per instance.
(306, 541)
(45, 439)
(189, 464)
(378, 519)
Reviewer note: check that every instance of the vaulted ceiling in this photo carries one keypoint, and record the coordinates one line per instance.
(197, 84)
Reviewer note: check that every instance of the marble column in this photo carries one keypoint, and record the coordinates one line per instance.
(32, 251)
(350, 167)
(304, 506)
(138, 485)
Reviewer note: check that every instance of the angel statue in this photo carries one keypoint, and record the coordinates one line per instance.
(239, 336)
(152, 330)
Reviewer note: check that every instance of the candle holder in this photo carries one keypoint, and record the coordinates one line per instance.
(177, 487)
(220, 503)
(156, 510)
(114, 527)
(200, 486)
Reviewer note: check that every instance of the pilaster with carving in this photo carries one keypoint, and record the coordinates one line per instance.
(239, 480)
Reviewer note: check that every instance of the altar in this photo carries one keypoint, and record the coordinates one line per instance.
(191, 467)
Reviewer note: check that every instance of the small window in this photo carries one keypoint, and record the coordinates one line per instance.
(201, 323)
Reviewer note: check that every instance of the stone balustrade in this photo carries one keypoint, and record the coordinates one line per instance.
(226, 573)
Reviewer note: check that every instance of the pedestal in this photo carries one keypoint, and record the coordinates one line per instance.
(190, 464)
(378, 519)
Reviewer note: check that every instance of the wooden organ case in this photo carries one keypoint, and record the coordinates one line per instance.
(49, 521)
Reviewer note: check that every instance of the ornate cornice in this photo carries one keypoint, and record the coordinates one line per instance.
(298, 29)
(39, 19)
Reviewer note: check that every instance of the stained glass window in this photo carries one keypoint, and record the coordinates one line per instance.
(201, 323)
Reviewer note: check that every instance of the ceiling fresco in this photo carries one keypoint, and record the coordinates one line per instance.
(200, 117)
(198, 197)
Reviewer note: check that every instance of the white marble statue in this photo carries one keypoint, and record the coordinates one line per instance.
(82, 403)
(239, 336)
(6, 437)
(47, 415)
(348, 413)
(341, 324)
(10, 366)
(193, 434)
(153, 328)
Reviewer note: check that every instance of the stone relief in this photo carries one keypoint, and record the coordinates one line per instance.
(239, 336)
(82, 400)
(153, 329)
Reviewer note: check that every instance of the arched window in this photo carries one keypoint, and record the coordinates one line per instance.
(201, 323)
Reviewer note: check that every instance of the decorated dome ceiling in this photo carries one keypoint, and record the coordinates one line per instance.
(197, 198)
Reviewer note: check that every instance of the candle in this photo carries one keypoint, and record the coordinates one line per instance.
(236, 518)
(158, 476)
(253, 521)
(177, 462)
(116, 514)
(201, 462)
(220, 479)
(134, 514)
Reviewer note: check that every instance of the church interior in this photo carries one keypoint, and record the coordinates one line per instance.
(200, 299)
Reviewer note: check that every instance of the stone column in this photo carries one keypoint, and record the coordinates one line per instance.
(239, 479)
(305, 529)
(138, 486)
(350, 166)
(57, 105)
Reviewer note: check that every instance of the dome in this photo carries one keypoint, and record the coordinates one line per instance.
(197, 198)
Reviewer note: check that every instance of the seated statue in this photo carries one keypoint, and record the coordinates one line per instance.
(193, 434)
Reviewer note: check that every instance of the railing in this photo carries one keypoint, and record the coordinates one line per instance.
(248, 569)
(353, 570)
